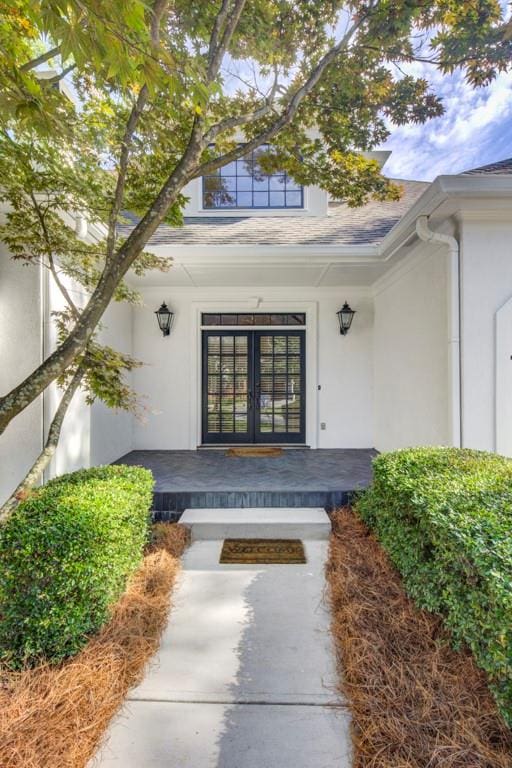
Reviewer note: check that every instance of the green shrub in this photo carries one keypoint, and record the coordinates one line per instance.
(65, 556)
(445, 518)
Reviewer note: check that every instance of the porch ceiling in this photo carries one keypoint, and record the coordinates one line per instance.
(292, 254)
(259, 267)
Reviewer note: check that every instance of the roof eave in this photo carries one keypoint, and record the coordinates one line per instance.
(267, 253)
(444, 188)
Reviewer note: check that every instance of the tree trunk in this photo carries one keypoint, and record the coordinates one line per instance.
(46, 455)
(50, 369)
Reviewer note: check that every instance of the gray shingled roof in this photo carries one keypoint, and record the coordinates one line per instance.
(501, 168)
(342, 226)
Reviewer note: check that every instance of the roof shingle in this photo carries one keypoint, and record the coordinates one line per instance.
(503, 167)
(367, 225)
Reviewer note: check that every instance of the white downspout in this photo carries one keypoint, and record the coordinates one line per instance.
(454, 320)
(81, 226)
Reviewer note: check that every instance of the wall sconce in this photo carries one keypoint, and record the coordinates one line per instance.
(165, 318)
(345, 317)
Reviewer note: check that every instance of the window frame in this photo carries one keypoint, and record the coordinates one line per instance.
(268, 191)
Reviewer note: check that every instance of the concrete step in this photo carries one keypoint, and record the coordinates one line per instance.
(258, 523)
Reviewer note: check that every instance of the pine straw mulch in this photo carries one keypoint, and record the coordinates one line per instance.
(54, 717)
(415, 702)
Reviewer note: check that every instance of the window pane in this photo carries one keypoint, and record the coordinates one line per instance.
(279, 345)
(277, 182)
(245, 166)
(261, 184)
(213, 422)
(291, 184)
(244, 199)
(249, 318)
(227, 343)
(293, 199)
(228, 170)
(213, 364)
(240, 344)
(210, 319)
(244, 183)
(296, 319)
(277, 199)
(261, 199)
(240, 423)
(213, 345)
(229, 183)
(227, 422)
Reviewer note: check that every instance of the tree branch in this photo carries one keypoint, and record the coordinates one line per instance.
(46, 455)
(229, 123)
(51, 262)
(214, 38)
(186, 169)
(59, 76)
(40, 59)
(289, 111)
(133, 119)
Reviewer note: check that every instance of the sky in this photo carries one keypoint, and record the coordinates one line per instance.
(476, 129)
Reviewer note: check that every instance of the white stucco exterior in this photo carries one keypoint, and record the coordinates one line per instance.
(486, 286)
(393, 381)
(90, 434)
(170, 378)
(20, 350)
(411, 350)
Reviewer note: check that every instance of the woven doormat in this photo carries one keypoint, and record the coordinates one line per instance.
(254, 452)
(261, 551)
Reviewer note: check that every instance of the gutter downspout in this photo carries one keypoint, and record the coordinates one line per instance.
(454, 341)
(43, 309)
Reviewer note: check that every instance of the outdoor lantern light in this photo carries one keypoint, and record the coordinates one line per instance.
(165, 318)
(345, 317)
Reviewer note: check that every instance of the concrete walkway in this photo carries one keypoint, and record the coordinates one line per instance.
(245, 675)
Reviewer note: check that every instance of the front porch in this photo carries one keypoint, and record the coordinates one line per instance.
(210, 478)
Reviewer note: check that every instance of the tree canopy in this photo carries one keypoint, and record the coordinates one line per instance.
(164, 91)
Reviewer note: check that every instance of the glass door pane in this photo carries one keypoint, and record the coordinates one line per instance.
(279, 387)
(227, 391)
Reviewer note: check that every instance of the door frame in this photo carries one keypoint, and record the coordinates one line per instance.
(231, 437)
(254, 435)
(247, 304)
(276, 437)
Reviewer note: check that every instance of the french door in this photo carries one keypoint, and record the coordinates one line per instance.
(253, 387)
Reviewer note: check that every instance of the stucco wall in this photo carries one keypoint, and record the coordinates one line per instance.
(20, 351)
(90, 435)
(486, 270)
(94, 434)
(111, 431)
(411, 353)
(342, 367)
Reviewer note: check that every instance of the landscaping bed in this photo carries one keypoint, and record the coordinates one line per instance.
(56, 715)
(415, 701)
(84, 597)
(444, 516)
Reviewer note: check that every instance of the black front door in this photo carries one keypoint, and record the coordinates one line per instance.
(254, 386)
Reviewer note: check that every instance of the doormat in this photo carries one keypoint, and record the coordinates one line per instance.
(254, 452)
(261, 551)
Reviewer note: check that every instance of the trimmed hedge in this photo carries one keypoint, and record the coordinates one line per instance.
(444, 516)
(66, 554)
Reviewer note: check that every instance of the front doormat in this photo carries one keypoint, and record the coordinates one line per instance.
(263, 551)
(255, 452)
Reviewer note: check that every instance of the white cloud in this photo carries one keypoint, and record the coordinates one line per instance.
(476, 129)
